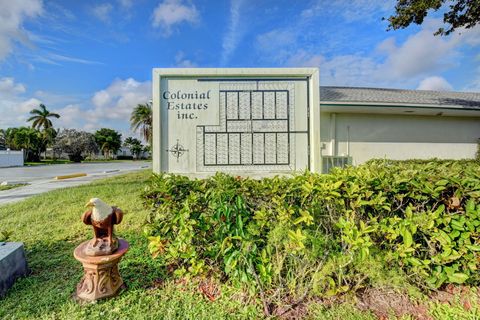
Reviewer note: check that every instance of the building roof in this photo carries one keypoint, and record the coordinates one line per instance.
(365, 96)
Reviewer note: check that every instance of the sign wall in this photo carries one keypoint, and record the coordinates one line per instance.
(243, 121)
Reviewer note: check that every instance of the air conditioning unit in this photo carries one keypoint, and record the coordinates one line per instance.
(328, 162)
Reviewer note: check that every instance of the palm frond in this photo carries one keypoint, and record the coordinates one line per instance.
(36, 111)
(32, 118)
(55, 115)
(141, 118)
(40, 118)
(36, 122)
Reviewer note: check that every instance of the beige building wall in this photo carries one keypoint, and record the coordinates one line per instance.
(399, 137)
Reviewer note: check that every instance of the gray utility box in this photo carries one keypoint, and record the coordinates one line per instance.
(12, 264)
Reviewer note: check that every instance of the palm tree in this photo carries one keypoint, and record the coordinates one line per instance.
(141, 118)
(40, 120)
(40, 117)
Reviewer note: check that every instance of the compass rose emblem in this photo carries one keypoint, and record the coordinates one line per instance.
(177, 150)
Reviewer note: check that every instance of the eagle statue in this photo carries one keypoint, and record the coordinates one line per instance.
(102, 217)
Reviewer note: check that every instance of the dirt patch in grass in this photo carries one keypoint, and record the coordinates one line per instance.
(385, 303)
(290, 309)
(452, 294)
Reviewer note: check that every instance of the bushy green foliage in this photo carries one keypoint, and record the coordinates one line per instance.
(135, 146)
(150, 293)
(2, 139)
(108, 140)
(319, 233)
(28, 139)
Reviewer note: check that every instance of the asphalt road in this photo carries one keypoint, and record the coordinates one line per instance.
(40, 178)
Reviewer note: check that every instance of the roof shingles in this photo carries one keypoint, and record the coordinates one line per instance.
(399, 96)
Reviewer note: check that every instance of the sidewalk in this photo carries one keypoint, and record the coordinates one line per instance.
(41, 180)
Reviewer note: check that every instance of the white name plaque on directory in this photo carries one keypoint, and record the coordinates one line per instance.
(242, 121)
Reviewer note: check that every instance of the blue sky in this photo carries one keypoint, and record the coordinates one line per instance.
(91, 61)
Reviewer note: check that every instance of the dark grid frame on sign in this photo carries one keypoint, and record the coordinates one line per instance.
(257, 124)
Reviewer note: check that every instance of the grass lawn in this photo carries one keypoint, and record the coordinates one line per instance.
(60, 161)
(46, 162)
(50, 226)
(11, 186)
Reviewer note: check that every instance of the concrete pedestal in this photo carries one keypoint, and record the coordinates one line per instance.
(12, 264)
(101, 278)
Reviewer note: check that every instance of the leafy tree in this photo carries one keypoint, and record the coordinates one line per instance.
(108, 140)
(2, 139)
(148, 149)
(142, 119)
(460, 13)
(49, 135)
(76, 144)
(28, 139)
(40, 117)
(135, 146)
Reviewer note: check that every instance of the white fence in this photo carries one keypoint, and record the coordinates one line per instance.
(11, 158)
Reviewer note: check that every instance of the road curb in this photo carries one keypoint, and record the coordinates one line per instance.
(69, 176)
(111, 171)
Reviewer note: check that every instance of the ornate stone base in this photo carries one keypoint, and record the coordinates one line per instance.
(101, 278)
(101, 247)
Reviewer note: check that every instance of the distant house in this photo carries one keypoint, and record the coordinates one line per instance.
(125, 152)
(358, 124)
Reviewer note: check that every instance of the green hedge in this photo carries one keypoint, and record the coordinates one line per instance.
(322, 234)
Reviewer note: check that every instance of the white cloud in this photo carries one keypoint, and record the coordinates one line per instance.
(118, 100)
(71, 116)
(303, 58)
(12, 16)
(57, 99)
(182, 62)
(424, 53)
(14, 107)
(388, 64)
(276, 39)
(234, 33)
(435, 83)
(28, 105)
(8, 87)
(173, 12)
(126, 3)
(342, 70)
(102, 11)
(474, 84)
(348, 70)
(301, 32)
(110, 107)
(59, 57)
(420, 53)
